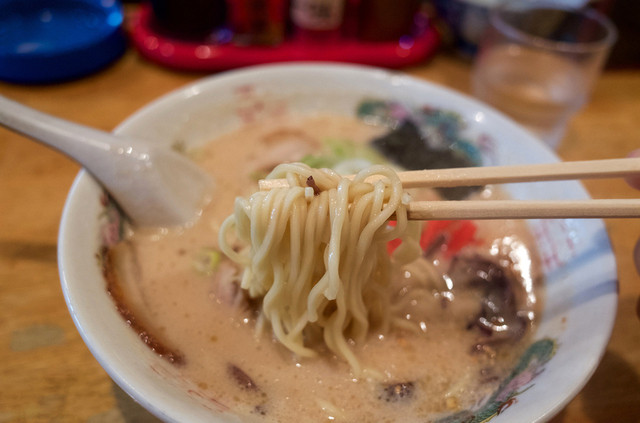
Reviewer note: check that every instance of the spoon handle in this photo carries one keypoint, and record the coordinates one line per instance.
(83, 144)
(154, 186)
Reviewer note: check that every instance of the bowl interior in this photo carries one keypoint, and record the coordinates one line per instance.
(578, 263)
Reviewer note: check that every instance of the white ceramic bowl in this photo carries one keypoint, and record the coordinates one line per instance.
(579, 267)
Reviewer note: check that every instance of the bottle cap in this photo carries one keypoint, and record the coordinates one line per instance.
(45, 41)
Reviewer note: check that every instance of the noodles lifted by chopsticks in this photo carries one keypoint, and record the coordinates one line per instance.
(316, 254)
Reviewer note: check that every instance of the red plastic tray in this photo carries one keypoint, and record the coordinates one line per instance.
(189, 55)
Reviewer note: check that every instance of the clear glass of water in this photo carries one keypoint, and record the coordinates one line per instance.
(538, 61)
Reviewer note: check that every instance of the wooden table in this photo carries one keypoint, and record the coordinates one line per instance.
(46, 372)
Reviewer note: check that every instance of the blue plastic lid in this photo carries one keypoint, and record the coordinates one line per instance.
(43, 41)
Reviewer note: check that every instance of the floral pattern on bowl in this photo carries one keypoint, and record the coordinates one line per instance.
(531, 364)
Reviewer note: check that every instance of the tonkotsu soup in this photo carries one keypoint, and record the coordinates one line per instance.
(455, 346)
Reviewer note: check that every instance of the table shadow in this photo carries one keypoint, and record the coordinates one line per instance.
(130, 410)
(32, 251)
(611, 395)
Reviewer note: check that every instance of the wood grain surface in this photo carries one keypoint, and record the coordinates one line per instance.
(47, 374)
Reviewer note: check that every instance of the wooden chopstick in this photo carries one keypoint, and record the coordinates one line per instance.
(610, 168)
(523, 209)
(469, 176)
(514, 209)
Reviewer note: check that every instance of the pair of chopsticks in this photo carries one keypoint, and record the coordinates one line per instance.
(515, 209)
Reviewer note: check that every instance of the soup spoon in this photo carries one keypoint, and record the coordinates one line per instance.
(154, 186)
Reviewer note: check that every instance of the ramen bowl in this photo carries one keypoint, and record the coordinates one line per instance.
(576, 258)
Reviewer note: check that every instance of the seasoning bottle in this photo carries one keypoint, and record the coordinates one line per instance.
(384, 20)
(258, 22)
(317, 20)
(189, 19)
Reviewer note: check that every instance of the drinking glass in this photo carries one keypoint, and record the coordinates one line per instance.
(538, 61)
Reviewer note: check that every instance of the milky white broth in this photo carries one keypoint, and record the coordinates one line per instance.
(417, 375)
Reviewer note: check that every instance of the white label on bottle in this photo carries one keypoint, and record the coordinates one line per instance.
(320, 15)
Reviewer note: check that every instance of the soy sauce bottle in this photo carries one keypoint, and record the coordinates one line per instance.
(385, 20)
(188, 19)
(258, 22)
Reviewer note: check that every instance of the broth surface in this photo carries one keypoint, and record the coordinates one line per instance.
(445, 365)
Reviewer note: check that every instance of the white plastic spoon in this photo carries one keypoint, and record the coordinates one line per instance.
(154, 186)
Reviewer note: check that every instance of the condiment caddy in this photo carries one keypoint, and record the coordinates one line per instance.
(262, 31)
